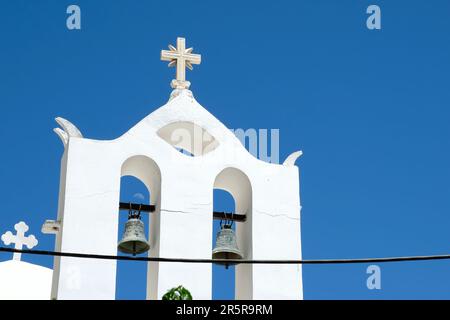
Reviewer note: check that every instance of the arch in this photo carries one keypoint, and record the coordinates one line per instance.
(147, 171)
(189, 137)
(223, 278)
(131, 277)
(238, 185)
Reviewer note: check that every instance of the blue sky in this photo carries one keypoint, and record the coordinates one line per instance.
(370, 110)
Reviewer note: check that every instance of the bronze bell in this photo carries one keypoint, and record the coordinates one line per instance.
(133, 240)
(226, 245)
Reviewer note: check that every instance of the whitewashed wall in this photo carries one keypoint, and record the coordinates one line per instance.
(182, 189)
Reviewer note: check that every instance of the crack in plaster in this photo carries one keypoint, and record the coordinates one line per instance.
(277, 215)
(182, 211)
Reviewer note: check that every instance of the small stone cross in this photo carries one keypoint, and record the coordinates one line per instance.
(19, 239)
(182, 58)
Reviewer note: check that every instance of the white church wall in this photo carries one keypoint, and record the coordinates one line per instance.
(89, 221)
(185, 226)
(276, 234)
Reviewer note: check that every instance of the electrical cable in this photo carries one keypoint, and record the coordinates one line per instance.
(228, 261)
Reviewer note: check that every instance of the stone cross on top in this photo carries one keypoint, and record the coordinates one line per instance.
(19, 239)
(181, 58)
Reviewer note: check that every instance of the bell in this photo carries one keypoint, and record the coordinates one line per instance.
(133, 240)
(226, 246)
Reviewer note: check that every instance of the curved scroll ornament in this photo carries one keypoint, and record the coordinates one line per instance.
(68, 130)
(290, 160)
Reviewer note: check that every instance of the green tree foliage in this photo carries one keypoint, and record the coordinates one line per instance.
(178, 293)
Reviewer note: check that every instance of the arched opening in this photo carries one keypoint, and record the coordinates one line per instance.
(140, 184)
(188, 138)
(237, 184)
(131, 279)
(223, 280)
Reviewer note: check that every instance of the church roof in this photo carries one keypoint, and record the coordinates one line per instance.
(21, 280)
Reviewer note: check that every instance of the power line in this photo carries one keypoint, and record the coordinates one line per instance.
(226, 261)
